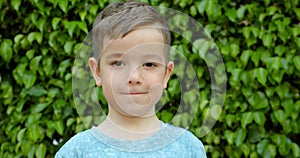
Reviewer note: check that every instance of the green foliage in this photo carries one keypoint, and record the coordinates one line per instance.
(259, 42)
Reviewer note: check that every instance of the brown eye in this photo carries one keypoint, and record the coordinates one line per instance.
(149, 64)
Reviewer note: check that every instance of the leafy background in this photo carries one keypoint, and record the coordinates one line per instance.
(259, 42)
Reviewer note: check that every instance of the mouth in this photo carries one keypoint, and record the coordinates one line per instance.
(135, 93)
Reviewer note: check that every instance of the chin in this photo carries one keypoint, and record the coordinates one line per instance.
(137, 110)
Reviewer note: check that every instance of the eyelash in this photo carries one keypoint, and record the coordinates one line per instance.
(118, 63)
(152, 64)
(115, 63)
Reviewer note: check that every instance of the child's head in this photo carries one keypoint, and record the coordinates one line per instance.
(120, 18)
(131, 44)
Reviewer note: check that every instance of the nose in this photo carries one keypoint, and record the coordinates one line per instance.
(134, 77)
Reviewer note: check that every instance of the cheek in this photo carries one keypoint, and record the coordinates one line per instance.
(156, 77)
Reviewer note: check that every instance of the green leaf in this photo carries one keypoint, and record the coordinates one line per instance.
(63, 4)
(26, 147)
(201, 7)
(267, 40)
(295, 149)
(245, 77)
(255, 31)
(21, 135)
(296, 61)
(234, 50)
(259, 118)
(241, 12)
(280, 116)
(261, 146)
(59, 127)
(209, 7)
(212, 8)
(278, 75)
(35, 36)
(30, 53)
(282, 90)
(276, 63)
(6, 50)
(93, 9)
(245, 56)
(29, 79)
(230, 136)
(41, 151)
(34, 63)
(247, 118)
(231, 14)
(271, 150)
(18, 73)
(16, 4)
(55, 22)
(229, 119)
(190, 97)
(41, 24)
(297, 41)
(278, 139)
(36, 91)
(39, 107)
(193, 10)
(70, 121)
(240, 135)
(176, 120)
(280, 49)
(63, 66)
(53, 39)
(247, 92)
(288, 106)
(255, 56)
(70, 26)
(34, 132)
(209, 28)
(271, 10)
(262, 75)
(18, 38)
(82, 15)
(236, 74)
(82, 26)
(225, 50)
(215, 111)
(201, 45)
(47, 66)
(187, 36)
(246, 32)
(258, 100)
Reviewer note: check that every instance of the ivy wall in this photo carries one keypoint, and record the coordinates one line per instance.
(258, 40)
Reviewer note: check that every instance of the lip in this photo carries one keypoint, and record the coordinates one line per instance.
(135, 93)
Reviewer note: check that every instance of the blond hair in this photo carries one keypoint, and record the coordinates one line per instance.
(120, 18)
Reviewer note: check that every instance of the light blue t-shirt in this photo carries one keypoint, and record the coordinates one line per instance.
(167, 142)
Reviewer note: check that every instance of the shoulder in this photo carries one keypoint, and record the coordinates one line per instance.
(77, 144)
(189, 141)
(183, 134)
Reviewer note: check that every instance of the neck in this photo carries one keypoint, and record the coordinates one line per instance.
(134, 124)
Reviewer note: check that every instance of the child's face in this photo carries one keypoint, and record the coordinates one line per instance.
(133, 72)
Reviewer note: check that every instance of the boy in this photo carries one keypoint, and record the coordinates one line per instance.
(131, 63)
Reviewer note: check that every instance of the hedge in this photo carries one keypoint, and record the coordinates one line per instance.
(259, 42)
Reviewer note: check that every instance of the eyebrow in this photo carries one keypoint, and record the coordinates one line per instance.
(153, 57)
(148, 56)
(114, 55)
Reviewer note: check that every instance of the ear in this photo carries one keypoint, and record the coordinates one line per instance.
(95, 70)
(169, 70)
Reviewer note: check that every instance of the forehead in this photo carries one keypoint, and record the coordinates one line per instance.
(142, 39)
